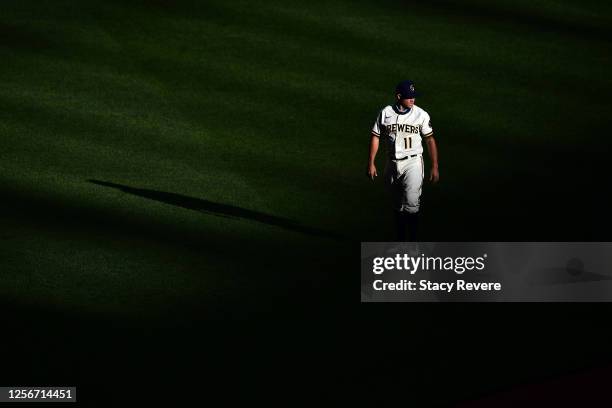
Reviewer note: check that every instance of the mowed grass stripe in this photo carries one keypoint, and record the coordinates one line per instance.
(478, 120)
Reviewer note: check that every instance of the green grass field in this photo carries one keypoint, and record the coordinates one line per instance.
(164, 163)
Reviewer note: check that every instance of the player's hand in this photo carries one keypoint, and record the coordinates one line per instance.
(434, 175)
(372, 171)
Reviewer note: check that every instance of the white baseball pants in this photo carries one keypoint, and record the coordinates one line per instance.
(404, 180)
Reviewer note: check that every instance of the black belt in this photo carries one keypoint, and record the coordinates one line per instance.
(404, 158)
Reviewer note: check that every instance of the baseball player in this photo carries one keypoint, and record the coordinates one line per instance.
(403, 126)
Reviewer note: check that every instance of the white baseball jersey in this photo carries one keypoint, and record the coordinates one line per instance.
(402, 131)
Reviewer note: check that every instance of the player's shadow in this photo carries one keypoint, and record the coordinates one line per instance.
(218, 209)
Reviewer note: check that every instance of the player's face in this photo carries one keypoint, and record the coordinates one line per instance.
(407, 103)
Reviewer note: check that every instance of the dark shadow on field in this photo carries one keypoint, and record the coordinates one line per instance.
(541, 21)
(532, 18)
(231, 275)
(20, 38)
(218, 209)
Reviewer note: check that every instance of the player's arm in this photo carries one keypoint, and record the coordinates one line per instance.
(374, 142)
(432, 148)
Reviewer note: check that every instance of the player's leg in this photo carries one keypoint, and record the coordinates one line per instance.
(401, 228)
(400, 202)
(413, 181)
(395, 188)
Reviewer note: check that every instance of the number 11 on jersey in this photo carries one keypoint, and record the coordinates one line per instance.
(408, 142)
